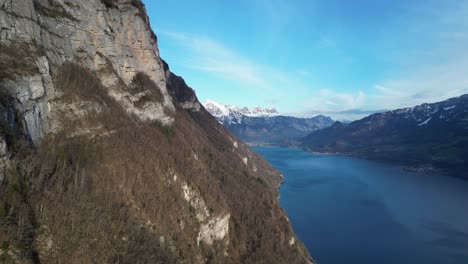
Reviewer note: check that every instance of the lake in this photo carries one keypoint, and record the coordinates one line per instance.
(348, 210)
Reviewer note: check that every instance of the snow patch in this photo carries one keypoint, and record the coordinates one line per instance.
(449, 108)
(221, 110)
(425, 122)
(234, 115)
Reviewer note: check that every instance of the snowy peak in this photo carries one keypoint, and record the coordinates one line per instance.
(448, 111)
(227, 114)
(265, 126)
(216, 109)
(219, 110)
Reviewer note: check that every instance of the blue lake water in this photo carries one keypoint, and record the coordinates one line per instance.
(348, 210)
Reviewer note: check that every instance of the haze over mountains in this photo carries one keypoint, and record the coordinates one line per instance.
(261, 126)
(426, 137)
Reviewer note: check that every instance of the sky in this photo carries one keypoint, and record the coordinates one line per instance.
(344, 59)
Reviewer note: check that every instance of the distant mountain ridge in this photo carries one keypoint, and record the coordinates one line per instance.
(265, 126)
(428, 136)
(234, 114)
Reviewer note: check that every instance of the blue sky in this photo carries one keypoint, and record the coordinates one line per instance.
(306, 57)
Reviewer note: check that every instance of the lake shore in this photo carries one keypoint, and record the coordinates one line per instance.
(370, 212)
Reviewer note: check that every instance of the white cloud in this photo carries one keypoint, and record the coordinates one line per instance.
(429, 71)
(424, 85)
(335, 104)
(339, 101)
(386, 91)
(345, 115)
(434, 67)
(269, 84)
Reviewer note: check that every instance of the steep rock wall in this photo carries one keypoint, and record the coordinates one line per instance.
(107, 156)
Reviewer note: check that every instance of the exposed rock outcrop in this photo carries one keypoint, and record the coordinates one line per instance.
(115, 42)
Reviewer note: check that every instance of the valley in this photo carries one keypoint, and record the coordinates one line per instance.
(265, 126)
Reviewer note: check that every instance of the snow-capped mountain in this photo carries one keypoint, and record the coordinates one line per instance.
(260, 126)
(434, 134)
(233, 114)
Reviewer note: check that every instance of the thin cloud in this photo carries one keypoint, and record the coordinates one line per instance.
(386, 91)
(427, 85)
(205, 54)
(421, 75)
(340, 101)
(337, 105)
(346, 115)
(208, 55)
(437, 70)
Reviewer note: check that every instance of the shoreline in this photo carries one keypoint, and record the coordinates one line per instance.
(418, 168)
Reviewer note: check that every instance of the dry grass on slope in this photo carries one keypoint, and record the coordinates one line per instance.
(117, 197)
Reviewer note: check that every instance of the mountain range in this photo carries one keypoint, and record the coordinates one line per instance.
(424, 138)
(261, 126)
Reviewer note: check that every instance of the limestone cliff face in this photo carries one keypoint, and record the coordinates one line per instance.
(107, 156)
(117, 42)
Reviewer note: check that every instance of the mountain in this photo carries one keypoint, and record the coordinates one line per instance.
(233, 114)
(425, 137)
(265, 126)
(106, 156)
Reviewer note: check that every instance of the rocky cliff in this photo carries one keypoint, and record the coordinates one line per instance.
(106, 156)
